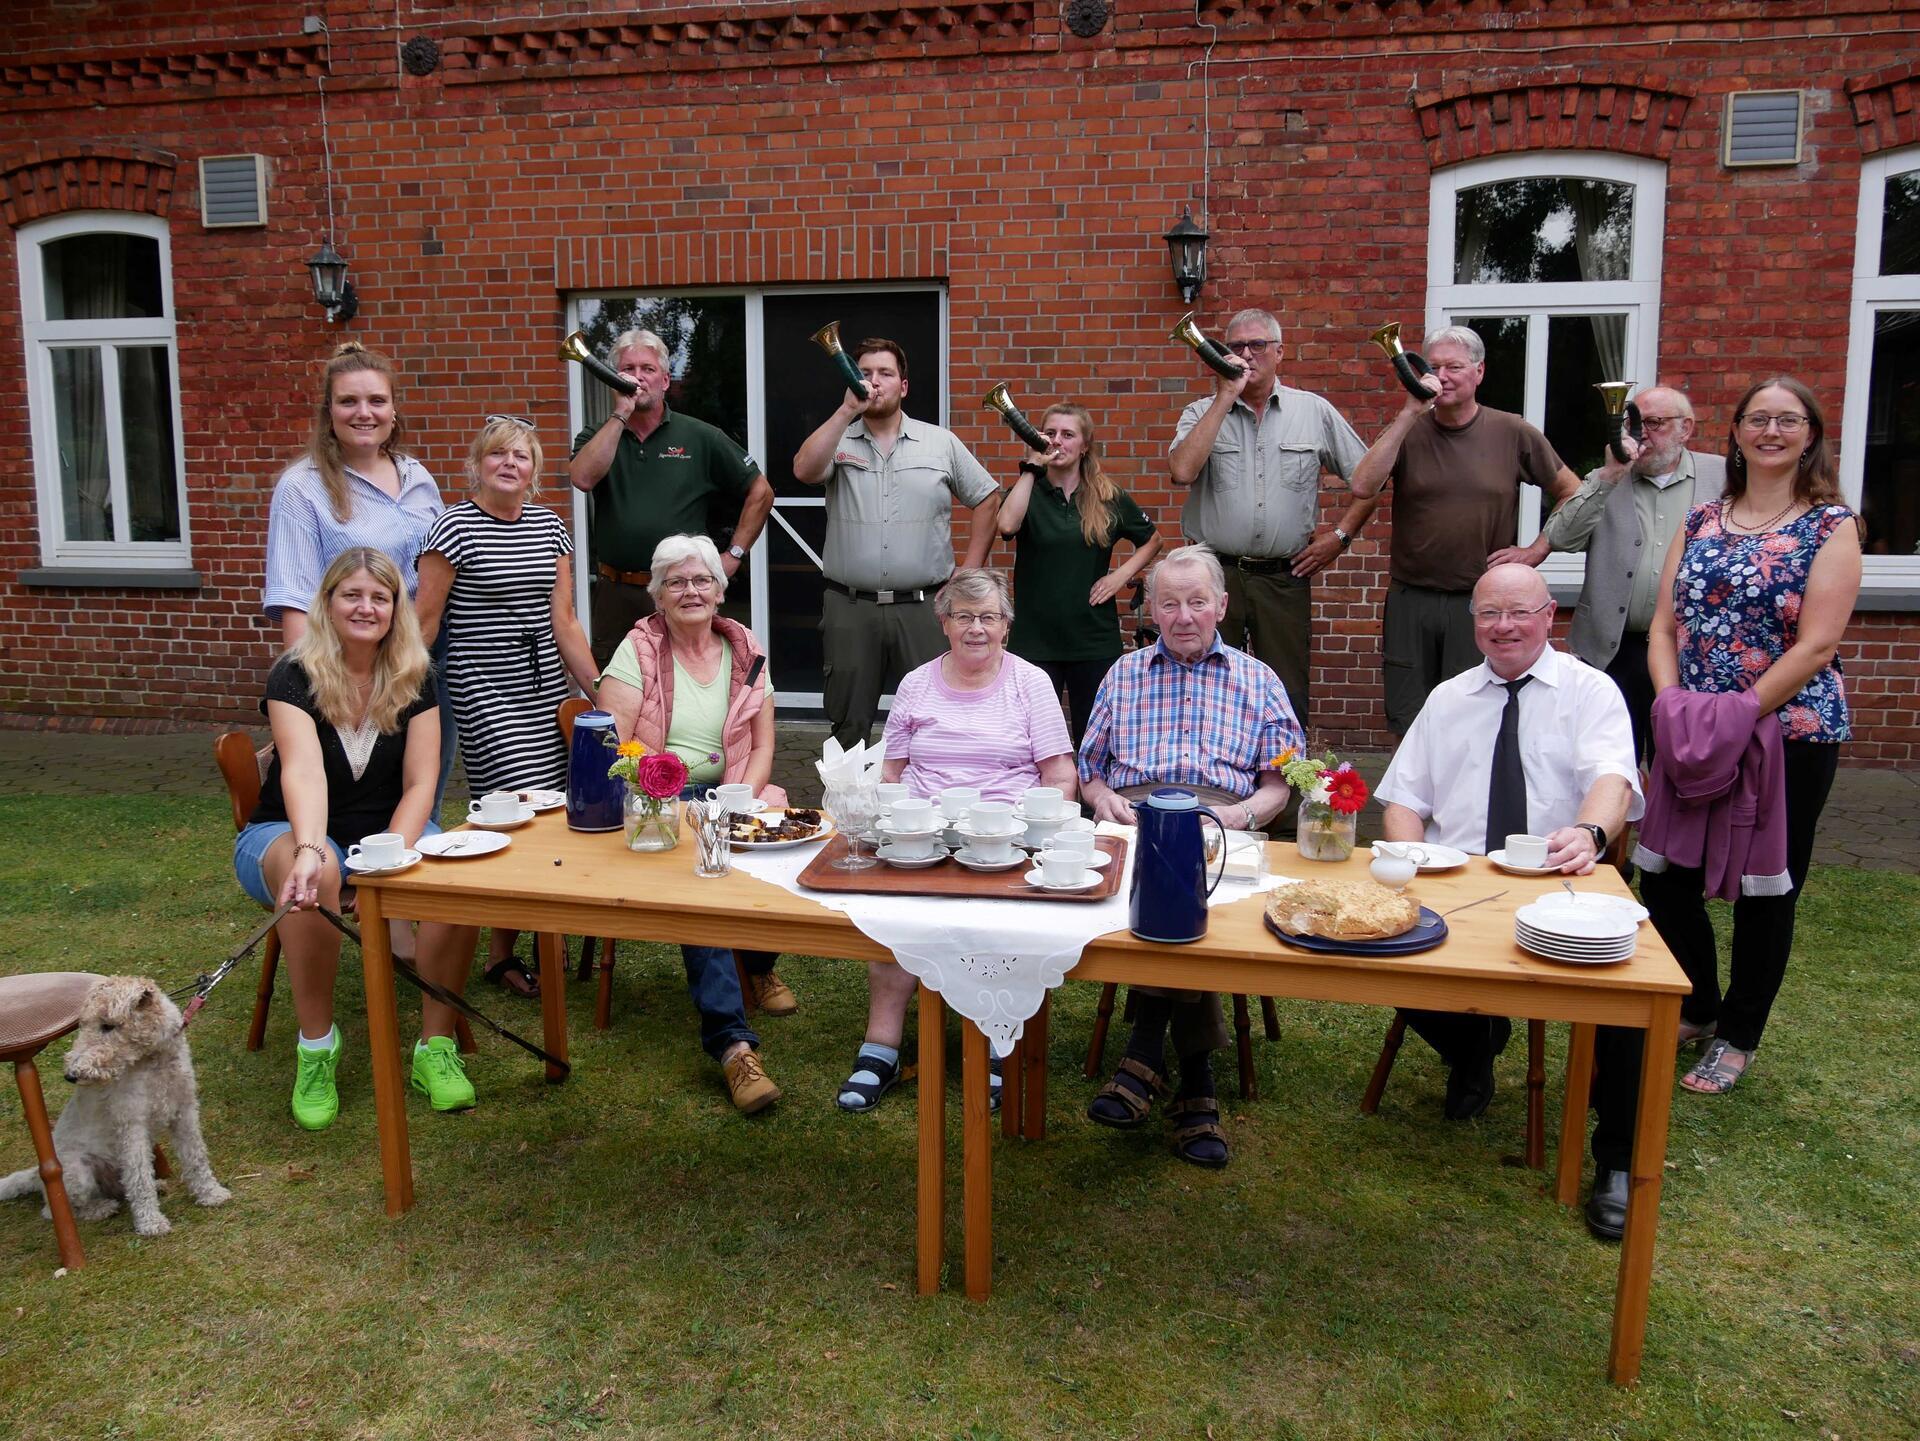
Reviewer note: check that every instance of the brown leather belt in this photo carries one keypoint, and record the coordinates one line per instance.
(625, 577)
(1256, 564)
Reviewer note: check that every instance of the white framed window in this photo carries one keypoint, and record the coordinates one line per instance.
(1553, 258)
(96, 296)
(1880, 427)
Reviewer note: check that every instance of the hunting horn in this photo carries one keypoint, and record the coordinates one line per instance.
(574, 348)
(1409, 365)
(1216, 357)
(827, 337)
(998, 400)
(1622, 414)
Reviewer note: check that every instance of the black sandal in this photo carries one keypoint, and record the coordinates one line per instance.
(867, 1094)
(514, 978)
(1130, 1102)
(1202, 1115)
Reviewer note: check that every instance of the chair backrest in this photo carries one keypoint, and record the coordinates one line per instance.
(240, 768)
(569, 708)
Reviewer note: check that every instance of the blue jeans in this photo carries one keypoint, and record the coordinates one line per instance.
(250, 854)
(714, 986)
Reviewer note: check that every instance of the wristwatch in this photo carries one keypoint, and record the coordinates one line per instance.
(1341, 536)
(1598, 833)
(736, 552)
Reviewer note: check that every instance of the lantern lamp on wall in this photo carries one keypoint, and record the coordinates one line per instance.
(1187, 250)
(331, 288)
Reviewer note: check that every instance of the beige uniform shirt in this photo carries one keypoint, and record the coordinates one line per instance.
(1259, 493)
(890, 518)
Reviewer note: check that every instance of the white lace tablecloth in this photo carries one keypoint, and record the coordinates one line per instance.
(992, 961)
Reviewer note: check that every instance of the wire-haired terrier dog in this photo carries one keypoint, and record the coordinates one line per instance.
(134, 1083)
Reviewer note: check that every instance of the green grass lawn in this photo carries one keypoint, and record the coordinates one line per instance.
(624, 1255)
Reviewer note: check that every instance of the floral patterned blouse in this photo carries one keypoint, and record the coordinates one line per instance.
(1736, 603)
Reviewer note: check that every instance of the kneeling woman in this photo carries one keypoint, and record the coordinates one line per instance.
(356, 750)
(688, 680)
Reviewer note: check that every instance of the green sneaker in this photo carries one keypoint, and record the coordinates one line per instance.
(441, 1076)
(316, 1100)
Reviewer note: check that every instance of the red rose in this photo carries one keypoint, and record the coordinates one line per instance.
(661, 775)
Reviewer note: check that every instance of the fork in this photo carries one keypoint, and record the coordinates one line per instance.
(1469, 905)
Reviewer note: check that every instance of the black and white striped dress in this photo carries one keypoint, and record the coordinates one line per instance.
(504, 673)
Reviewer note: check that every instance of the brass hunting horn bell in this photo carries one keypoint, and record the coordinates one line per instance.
(1409, 365)
(827, 337)
(1622, 415)
(999, 401)
(1189, 334)
(574, 348)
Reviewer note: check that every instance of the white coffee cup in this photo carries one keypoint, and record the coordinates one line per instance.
(994, 850)
(911, 848)
(886, 793)
(912, 814)
(495, 807)
(1076, 823)
(955, 802)
(1074, 843)
(1040, 803)
(1062, 868)
(990, 818)
(736, 796)
(1530, 851)
(379, 850)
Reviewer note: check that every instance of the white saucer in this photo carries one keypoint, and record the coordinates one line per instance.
(1499, 858)
(751, 808)
(886, 827)
(1582, 903)
(543, 800)
(968, 833)
(916, 863)
(1033, 879)
(973, 863)
(464, 845)
(408, 860)
(526, 814)
(1058, 818)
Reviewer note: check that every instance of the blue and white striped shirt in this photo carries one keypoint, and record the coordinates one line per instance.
(303, 535)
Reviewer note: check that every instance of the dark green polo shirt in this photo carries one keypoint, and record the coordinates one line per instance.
(661, 486)
(1054, 569)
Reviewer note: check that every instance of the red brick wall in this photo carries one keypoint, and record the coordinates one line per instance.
(984, 146)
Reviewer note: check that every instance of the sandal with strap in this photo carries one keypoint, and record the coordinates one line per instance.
(1712, 1076)
(1128, 1104)
(514, 978)
(866, 1093)
(1194, 1141)
(1691, 1035)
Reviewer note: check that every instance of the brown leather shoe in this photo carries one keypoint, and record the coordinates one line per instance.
(748, 1083)
(772, 995)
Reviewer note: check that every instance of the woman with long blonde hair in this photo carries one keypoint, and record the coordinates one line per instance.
(1065, 515)
(356, 749)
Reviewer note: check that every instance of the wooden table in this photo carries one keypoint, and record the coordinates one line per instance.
(558, 882)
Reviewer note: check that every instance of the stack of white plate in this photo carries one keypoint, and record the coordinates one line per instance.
(1586, 930)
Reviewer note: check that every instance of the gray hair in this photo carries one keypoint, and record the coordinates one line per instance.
(628, 339)
(1253, 315)
(1188, 556)
(677, 548)
(973, 584)
(1459, 335)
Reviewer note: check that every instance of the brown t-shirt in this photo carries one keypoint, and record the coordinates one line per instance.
(1456, 495)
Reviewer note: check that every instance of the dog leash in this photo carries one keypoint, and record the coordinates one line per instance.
(203, 985)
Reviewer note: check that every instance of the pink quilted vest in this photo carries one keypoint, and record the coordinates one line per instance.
(652, 649)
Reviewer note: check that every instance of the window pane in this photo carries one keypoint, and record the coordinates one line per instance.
(1900, 228)
(793, 599)
(707, 340)
(1582, 351)
(80, 433)
(146, 422)
(102, 277)
(1518, 231)
(1890, 480)
(1505, 336)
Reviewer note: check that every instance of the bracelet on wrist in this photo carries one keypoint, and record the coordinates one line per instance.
(317, 847)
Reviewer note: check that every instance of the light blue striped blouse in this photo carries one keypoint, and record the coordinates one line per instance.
(303, 536)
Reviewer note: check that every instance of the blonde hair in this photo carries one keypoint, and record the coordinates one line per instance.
(1093, 497)
(497, 435)
(324, 448)
(399, 665)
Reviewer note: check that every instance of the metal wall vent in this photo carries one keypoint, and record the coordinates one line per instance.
(1763, 128)
(233, 190)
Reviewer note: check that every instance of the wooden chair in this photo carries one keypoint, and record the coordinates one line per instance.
(1242, 1029)
(243, 768)
(36, 1011)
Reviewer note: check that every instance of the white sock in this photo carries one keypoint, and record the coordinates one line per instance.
(324, 1043)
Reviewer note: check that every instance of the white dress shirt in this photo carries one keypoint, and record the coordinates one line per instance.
(1573, 730)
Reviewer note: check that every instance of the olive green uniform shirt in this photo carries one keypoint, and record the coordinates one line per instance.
(661, 486)
(1054, 569)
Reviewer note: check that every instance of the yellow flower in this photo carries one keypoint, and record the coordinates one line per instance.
(1286, 755)
(632, 750)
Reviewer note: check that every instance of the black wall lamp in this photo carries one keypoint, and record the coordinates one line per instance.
(331, 288)
(1187, 250)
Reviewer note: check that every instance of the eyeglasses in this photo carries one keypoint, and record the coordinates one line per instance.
(1758, 421)
(1250, 347)
(1657, 422)
(518, 420)
(1514, 617)
(967, 619)
(698, 583)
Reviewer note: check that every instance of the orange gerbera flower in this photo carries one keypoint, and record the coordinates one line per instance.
(632, 750)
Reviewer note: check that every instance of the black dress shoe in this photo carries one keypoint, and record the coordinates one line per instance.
(1470, 1083)
(1607, 1206)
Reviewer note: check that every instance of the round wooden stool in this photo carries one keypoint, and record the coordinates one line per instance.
(36, 1011)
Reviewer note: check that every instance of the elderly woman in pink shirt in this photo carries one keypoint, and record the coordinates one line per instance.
(976, 716)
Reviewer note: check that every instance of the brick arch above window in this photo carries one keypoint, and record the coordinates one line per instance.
(1886, 108)
(1470, 120)
(50, 178)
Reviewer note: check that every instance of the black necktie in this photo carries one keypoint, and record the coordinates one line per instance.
(1507, 794)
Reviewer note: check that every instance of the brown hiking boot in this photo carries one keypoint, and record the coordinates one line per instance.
(772, 995)
(748, 1083)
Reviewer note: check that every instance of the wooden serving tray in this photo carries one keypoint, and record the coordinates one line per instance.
(950, 878)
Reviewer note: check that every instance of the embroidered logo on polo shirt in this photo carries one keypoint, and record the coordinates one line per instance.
(674, 452)
(847, 457)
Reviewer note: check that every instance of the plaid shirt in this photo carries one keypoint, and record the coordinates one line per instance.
(1217, 722)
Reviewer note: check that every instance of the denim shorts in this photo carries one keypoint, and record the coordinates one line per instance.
(250, 853)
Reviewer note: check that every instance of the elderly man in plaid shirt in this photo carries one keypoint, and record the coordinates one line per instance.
(1189, 711)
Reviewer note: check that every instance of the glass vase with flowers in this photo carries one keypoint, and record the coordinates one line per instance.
(654, 782)
(1332, 794)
